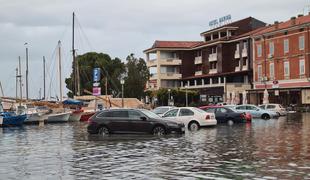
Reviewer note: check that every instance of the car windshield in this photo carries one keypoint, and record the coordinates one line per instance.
(160, 110)
(149, 114)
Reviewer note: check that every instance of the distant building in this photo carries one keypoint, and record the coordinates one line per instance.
(281, 62)
(219, 67)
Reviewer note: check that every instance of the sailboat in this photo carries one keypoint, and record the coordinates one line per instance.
(60, 115)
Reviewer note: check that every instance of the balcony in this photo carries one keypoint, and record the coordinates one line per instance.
(244, 52)
(170, 76)
(237, 68)
(197, 73)
(213, 57)
(212, 71)
(170, 62)
(151, 63)
(237, 54)
(153, 77)
(198, 60)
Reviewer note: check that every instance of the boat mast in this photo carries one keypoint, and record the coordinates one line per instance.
(20, 81)
(73, 56)
(59, 67)
(1, 89)
(27, 71)
(16, 83)
(43, 77)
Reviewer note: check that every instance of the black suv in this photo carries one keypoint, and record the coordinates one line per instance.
(131, 121)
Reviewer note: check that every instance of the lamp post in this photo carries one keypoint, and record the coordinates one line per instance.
(169, 97)
(122, 82)
(186, 96)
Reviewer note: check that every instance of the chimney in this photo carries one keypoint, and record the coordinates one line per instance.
(276, 24)
(300, 15)
(293, 20)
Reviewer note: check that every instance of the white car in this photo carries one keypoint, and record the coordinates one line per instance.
(278, 108)
(193, 118)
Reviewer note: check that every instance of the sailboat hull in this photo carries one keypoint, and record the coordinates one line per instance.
(76, 116)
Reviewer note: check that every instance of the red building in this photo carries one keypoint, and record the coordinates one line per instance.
(281, 62)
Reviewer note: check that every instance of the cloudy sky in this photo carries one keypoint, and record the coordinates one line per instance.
(117, 27)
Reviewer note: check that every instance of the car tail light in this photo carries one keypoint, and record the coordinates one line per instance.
(207, 117)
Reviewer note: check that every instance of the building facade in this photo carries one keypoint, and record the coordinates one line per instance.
(281, 62)
(219, 67)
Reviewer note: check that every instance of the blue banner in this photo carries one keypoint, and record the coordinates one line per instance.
(96, 75)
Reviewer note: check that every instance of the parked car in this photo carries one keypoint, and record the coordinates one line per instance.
(248, 115)
(161, 110)
(225, 115)
(192, 117)
(256, 111)
(278, 108)
(131, 121)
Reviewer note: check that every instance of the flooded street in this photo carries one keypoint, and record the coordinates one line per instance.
(270, 149)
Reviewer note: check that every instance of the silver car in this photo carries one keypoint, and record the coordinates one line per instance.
(278, 108)
(256, 111)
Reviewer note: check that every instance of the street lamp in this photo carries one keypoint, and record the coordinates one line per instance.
(169, 96)
(122, 82)
(186, 96)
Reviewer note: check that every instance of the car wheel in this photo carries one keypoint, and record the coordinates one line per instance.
(193, 126)
(265, 116)
(230, 122)
(103, 131)
(159, 130)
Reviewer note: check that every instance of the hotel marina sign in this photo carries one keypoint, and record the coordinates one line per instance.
(220, 21)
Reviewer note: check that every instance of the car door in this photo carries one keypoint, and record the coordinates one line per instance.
(138, 124)
(221, 115)
(185, 115)
(255, 111)
(118, 121)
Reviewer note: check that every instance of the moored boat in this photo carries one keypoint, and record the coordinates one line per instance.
(76, 115)
(59, 117)
(11, 119)
(87, 115)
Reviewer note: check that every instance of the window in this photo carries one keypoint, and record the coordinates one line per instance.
(259, 72)
(271, 106)
(286, 69)
(186, 112)
(286, 45)
(241, 107)
(104, 114)
(302, 67)
(172, 113)
(271, 48)
(119, 114)
(301, 42)
(271, 70)
(244, 45)
(134, 115)
(221, 110)
(251, 108)
(262, 106)
(259, 50)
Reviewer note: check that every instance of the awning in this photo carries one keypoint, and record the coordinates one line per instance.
(72, 102)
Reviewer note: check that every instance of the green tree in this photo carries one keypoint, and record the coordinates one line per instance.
(137, 76)
(111, 69)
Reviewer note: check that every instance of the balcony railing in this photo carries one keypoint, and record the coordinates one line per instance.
(151, 63)
(171, 61)
(198, 60)
(170, 76)
(212, 71)
(197, 73)
(213, 57)
(237, 54)
(244, 52)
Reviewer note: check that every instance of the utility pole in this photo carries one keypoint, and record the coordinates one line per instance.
(27, 85)
(44, 77)
(106, 86)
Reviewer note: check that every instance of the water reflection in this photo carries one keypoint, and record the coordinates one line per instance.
(266, 149)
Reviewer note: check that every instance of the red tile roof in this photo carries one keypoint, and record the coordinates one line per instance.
(175, 44)
(284, 25)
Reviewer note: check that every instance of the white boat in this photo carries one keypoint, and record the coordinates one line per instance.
(76, 115)
(35, 118)
(59, 117)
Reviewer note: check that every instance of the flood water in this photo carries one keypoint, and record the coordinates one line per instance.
(265, 149)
